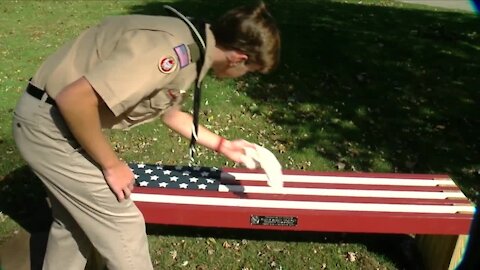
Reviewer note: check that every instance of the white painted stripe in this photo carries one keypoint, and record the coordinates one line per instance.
(342, 179)
(333, 206)
(343, 192)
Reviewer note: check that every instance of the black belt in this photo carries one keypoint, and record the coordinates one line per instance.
(38, 94)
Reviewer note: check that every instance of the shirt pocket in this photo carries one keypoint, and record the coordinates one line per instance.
(152, 107)
(142, 111)
(165, 99)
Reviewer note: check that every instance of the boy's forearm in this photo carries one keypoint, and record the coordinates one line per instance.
(182, 123)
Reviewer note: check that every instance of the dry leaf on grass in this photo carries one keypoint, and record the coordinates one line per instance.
(226, 245)
(351, 256)
(174, 254)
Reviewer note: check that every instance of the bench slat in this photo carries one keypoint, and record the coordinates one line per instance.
(282, 197)
(343, 186)
(343, 192)
(342, 180)
(305, 205)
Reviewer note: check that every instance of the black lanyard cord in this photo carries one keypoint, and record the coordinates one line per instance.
(198, 33)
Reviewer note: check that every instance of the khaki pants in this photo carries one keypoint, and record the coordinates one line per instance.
(87, 215)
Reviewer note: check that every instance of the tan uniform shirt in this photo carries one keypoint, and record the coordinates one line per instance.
(125, 59)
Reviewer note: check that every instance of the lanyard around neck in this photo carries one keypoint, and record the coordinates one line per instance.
(198, 33)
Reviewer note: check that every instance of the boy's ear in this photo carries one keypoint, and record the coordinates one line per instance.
(236, 57)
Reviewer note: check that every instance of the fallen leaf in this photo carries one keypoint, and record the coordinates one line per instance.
(173, 254)
(351, 256)
(211, 240)
(226, 245)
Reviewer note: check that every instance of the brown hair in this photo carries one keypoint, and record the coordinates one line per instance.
(253, 31)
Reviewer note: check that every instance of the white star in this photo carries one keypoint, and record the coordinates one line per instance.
(160, 167)
(210, 181)
(141, 165)
(148, 171)
(143, 183)
(204, 174)
(178, 167)
(167, 172)
(186, 173)
(214, 169)
(183, 185)
(136, 176)
(154, 177)
(202, 186)
(196, 168)
(173, 179)
(163, 184)
(193, 179)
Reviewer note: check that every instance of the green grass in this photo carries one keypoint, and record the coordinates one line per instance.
(377, 86)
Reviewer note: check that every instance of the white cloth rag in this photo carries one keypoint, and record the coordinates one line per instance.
(263, 158)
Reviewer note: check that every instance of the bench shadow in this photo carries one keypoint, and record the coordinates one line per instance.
(402, 249)
(23, 199)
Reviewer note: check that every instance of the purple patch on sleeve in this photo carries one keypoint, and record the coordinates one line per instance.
(182, 54)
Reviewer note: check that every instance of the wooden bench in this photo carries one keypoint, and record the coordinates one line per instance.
(431, 207)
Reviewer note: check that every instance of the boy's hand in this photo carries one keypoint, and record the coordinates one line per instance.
(234, 150)
(120, 179)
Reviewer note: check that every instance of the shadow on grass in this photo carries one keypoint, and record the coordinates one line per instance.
(23, 199)
(401, 248)
(376, 88)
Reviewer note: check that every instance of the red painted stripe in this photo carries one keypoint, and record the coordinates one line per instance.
(322, 221)
(341, 186)
(347, 174)
(191, 194)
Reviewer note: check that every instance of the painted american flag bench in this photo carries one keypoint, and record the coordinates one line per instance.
(431, 207)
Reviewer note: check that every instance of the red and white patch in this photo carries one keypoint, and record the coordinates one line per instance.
(167, 64)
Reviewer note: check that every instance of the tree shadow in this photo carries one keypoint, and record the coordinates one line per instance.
(377, 88)
(381, 85)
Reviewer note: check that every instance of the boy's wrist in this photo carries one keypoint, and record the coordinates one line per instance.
(220, 145)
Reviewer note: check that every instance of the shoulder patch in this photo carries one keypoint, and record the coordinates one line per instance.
(167, 64)
(182, 54)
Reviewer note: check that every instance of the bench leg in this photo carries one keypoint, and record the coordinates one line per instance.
(441, 252)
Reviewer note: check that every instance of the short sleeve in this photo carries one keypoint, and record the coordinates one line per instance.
(131, 72)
